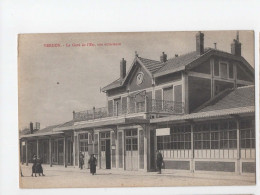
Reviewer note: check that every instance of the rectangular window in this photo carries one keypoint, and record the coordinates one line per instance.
(231, 73)
(216, 68)
(247, 134)
(179, 138)
(223, 70)
(124, 105)
(158, 94)
(105, 134)
(168, 94)
(110, 107)
(117, 107)
(120, 149)
(103, 145)
(178, 99)
(178, 93)
(215, 135)
(83, 142)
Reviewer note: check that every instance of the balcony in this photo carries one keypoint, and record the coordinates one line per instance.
(147, 106)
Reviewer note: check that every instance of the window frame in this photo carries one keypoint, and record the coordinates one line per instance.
(227, 70)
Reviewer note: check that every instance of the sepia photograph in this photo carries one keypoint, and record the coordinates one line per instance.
(136, 109)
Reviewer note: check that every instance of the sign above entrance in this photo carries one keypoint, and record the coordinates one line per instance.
(162, 131)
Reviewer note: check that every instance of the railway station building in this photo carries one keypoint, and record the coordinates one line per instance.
(197, 109)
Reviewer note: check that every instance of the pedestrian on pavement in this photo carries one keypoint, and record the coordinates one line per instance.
(39, 168)
(81, 160)
(21, 173)
(159, 161)
(92, 163)
(34, 158)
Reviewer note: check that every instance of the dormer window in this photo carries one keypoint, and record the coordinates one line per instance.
(223, 68)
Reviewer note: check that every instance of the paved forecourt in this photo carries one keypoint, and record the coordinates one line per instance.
(58, 176)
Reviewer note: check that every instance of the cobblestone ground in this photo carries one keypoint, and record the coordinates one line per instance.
(58, 176)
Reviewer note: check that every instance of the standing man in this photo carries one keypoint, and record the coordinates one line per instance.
(92, 163)
(159, 161)
(81, 160)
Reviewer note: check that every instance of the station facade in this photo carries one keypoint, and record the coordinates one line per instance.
(197, 109)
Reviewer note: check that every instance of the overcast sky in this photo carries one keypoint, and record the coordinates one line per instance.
(54, 81)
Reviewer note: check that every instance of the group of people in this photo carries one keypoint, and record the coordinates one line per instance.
(37, 166)
(92, 163)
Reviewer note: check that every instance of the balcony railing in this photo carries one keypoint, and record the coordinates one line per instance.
(147, 106)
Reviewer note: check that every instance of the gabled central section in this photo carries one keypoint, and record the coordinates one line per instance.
(139, 78)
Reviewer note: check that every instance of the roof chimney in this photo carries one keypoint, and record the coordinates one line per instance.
(37, 125)
(73, 114)
(200, 43)
(236, 46)
(163, 57)
(122, 68)
(215, 45)
(31, 127)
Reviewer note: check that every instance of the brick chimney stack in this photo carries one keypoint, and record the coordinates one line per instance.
(200, 43)
(163, 57)
(236, 46)
(122, 68)
(31, 127)
(37, 125)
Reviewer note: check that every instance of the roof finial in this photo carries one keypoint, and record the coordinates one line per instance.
(237, 36)
(136, 54)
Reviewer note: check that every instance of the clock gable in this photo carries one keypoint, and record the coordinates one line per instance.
(139, 79)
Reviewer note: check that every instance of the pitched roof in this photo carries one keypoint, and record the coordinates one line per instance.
(114, 84)
(192, 59)
(45, 131)
(177, 62)
(151, 65)
(24, 132)
(235, 98)
(182, 62)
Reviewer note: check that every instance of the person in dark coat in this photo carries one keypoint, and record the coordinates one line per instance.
(21, 173)
(159, 161)
(81, 160)
(39, 169)
(92, 164)
(34, 158)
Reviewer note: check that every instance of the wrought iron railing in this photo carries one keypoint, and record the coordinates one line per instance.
(158, 106)
(83, 115)
(148, 106)
(100, 112)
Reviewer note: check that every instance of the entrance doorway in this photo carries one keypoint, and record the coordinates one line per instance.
(57, 152)
(70, 151)
(44, 150)
(131, 147)
(152, 150)
(83, 148)
(105, 150)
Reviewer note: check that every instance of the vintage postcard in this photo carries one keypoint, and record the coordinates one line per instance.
(136, 109)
